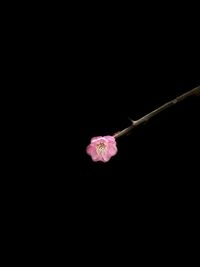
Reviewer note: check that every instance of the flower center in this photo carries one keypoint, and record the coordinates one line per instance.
(100, 148)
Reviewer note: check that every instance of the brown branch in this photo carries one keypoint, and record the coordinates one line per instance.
(193, 92)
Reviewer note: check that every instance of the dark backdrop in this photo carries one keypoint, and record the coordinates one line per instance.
(87, 79)
(152, 182)
(95, 86)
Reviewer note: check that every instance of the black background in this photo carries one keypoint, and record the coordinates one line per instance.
(155, 173)
(86, 77)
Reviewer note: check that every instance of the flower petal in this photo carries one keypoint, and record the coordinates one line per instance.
(95, 157)
(106, 157)
(94, 139)
(110, 138)
(89, 149)
(102, 148)
(112, 149)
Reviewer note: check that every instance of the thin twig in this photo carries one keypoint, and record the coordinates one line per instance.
(193, 92)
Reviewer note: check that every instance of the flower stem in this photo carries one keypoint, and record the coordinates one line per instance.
(193, 92)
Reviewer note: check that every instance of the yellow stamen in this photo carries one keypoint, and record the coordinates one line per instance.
(100, 148)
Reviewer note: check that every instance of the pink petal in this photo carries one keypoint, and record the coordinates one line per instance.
(89, 149)
(106, 157)
(94, 139)
(110, 138)
(112, 149)
(96, 157)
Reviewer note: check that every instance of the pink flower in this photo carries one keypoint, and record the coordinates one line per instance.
(102, 148)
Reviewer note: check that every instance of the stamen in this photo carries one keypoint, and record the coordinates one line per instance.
(100, 148)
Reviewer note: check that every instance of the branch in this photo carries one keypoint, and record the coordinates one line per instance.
(193, 92)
